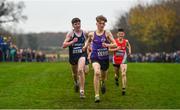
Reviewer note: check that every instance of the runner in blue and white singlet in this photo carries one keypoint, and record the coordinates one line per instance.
(75, 40)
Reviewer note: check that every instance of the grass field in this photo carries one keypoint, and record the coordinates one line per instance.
(49, 85)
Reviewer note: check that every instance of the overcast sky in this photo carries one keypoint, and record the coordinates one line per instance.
(56, 15)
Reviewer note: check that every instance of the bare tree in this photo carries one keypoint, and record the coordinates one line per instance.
(11, 12)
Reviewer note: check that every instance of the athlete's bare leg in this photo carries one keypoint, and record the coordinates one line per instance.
(74, 73)
(103, 79)
(75, 77)
(86, 70)
(104, 75)
(81, 65)
(116, 70)
(97, 73)
(116, 75)
(123, 74)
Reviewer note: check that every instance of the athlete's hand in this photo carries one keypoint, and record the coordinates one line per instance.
(75, 40)
(129, 53)
(84, 49)
(104, 45)
(118, 48)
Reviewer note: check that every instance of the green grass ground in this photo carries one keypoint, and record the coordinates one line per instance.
(49, 85)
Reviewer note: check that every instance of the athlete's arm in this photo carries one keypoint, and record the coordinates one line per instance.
(129, 47)
(67, 41)
(113, 49)
(89, 52)
(88, 40)
(111, 39)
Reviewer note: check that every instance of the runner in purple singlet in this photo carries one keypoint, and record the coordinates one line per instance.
(100, 41)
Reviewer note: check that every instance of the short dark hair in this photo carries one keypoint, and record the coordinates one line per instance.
(75, 20)
(120, 30)
(101, 18)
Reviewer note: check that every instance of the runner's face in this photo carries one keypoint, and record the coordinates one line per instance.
(121, 35)
(101, 25)
(77, 26)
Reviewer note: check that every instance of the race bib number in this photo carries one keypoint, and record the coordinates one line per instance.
(119, 53)
(102, 52)
(77, 50)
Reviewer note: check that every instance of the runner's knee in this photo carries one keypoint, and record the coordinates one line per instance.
(97, 73)
(86, 70)
(80, 71)
(123, 74)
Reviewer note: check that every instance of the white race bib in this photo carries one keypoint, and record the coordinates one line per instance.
(120, 53)
(102, 52)
(77, 50)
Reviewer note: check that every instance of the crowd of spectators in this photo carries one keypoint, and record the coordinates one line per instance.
(10, 53)
(173, 57)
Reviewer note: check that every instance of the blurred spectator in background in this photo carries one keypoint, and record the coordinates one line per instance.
(155, 57)
(29, 55)
(12, 53)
